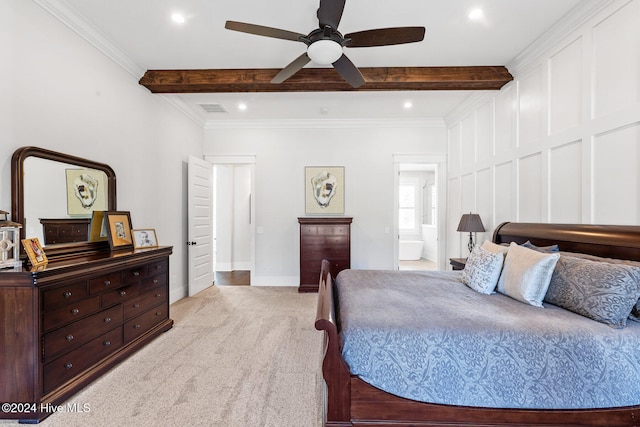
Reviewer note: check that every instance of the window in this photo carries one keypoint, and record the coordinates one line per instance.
(408, 197)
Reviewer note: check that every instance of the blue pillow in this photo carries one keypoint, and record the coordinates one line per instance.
(544, 249)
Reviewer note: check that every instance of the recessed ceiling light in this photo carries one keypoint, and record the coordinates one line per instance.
(476, 14)
(242, 106)
(408, 105)
(178, 18)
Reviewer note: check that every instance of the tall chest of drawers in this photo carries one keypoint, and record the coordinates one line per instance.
(323, 238)
(69, 323)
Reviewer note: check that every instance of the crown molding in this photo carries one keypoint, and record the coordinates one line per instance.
(569, 23)
(325, 124)
(70, 17)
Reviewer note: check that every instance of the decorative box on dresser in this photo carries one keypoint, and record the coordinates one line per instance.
(66, 324)
(65, 230)
(323, 238)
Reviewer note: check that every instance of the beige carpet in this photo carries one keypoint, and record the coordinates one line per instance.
(236, 356)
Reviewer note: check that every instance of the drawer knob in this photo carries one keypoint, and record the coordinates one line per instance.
(155, 281)
(107, 319)
(136, 326)
(158, 267)
(67, 294)
(107, 343)
(136, 305)
(123, 293)
(158, 313)
(136, 273)
(75, 311)
(107, 282)
(69, 337)
(69, 365)
(158, 295)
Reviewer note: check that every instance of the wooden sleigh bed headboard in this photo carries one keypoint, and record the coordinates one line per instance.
(352, 402)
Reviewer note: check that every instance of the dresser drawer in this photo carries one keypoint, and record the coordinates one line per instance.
(122, 294)
(154, 282)
(139, 305)
(74, 335)
(141, 324)
(59, 297)
(135, 273)
(158, 267)
(105, 283)
(70, 313)
(68, 366)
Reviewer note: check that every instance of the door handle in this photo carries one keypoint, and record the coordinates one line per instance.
(191, 243)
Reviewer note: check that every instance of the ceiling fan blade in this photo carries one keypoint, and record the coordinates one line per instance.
(292, 68)
(330, 13)
(349, 71)
(263, 31)
(385, 36)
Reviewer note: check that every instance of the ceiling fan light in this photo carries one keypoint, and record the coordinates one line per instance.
(324, 52)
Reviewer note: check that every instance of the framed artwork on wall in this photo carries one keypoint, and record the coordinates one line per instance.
(119, 229)
(324, 190)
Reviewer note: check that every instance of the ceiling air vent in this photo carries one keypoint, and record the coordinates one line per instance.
(213, 108)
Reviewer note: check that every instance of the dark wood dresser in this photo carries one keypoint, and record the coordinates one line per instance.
(65, 230)
(323, 238)
(67, 324)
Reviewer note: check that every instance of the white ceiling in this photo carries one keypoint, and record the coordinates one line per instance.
(143, 36)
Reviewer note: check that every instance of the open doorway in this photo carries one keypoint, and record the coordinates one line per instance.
(419, 216)
(233, 223)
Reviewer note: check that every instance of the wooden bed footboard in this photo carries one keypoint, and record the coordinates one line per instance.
(349, 401)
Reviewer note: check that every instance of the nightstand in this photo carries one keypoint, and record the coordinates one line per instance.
(458, 263)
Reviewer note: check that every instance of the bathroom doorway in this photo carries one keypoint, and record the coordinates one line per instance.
(419, 217)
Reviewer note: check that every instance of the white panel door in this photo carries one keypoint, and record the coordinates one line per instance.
(200, 224)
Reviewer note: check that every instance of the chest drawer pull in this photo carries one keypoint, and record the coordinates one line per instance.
(123, 293)
(107, 319)
(137, 326)
(107, 343)
(69, 337)
(69, 365)
(75, 311)
(136, 273)
(136, 305)
(155, 281)
(158, 313)
(67, 294)
(158, 295)
(107, 282)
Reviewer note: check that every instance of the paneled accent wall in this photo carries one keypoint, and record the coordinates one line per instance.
(559, 144)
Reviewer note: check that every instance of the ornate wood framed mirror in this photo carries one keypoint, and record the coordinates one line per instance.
(52, 186)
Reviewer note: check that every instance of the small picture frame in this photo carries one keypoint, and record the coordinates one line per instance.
(118, 225)
(98, 230)
(34, 251)
(144, 238)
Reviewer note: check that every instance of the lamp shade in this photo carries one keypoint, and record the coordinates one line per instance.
(471, 223)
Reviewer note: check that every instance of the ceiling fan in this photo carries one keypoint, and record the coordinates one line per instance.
(325, 44)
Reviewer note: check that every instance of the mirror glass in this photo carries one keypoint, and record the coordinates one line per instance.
(54, 196)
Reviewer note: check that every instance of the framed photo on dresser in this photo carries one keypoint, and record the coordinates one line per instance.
(119, 229)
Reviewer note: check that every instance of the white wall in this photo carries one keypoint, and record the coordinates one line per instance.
(283, 150)
(59, 92)
(561, 143)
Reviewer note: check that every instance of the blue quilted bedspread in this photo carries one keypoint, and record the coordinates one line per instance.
(426, 336)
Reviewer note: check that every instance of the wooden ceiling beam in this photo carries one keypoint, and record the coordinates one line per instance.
(326, 79)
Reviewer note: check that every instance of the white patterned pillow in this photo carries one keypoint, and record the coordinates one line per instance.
(526, 274)
(482, 270)
(601, 291)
